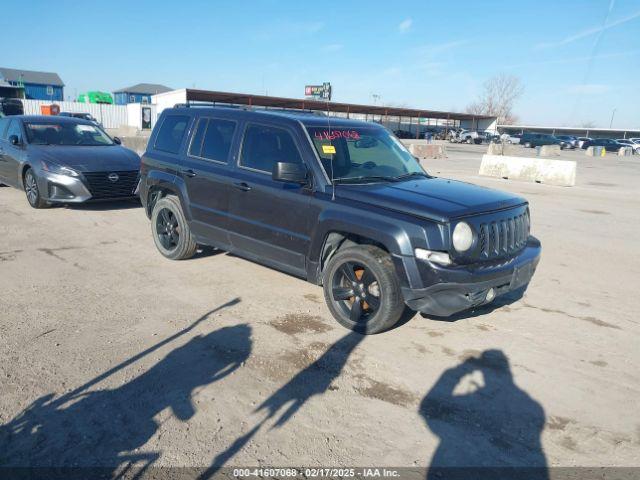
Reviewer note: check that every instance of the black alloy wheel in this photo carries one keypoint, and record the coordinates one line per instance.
(167, 229)
(356, 291)
(362, 289)
(171, 232)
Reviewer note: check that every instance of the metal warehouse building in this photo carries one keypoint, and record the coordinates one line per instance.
(34, 85)
(140, 93)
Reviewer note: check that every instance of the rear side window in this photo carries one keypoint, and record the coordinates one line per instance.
(264, 146)
(212, 139)
(171, 133)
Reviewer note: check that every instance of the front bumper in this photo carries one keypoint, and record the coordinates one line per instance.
(461, 288)
(57, 188)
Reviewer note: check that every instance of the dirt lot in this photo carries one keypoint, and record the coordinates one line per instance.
(111, 353)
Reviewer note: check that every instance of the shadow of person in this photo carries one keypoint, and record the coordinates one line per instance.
(313, 380)
(104, 428)
(491, 430)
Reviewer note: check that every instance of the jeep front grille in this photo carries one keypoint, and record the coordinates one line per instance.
(503, 237)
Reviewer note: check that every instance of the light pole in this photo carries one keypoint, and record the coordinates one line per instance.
(612, 115)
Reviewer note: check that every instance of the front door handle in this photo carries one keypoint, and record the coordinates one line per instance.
(242, 186)
(189, 173)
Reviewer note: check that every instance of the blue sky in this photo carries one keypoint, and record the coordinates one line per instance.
(578, 60)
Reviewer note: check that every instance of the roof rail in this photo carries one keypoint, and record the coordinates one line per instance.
(189, 104)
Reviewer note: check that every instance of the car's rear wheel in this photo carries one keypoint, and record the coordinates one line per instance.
(362, 290)
(527, 144)
(32, 191)
(170, 230)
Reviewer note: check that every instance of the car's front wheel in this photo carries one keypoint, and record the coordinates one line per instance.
(32, 191)
(170, 230)
(362, 290)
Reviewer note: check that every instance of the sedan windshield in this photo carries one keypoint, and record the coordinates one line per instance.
(65, 133)
(363, 154)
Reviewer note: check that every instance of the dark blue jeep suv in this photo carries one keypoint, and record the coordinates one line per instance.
(340, 203)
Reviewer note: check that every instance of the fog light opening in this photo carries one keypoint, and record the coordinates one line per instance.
(491, 294)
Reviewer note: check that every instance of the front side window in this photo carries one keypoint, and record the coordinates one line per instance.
(353, 153)
(264, 146)
(65, 133)
(14, 129)
(171, 133)
(212, 139)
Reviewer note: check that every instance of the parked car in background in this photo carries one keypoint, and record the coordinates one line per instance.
(83, 116)
(635, 146)
(581, 141)
(609, 144)
(338, 202)
(510, 139)
(404, 134)
(64, 160)
(569, 141)
(11, 106)
(532, 140)
(465, 136)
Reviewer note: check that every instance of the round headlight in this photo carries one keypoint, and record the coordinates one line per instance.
(462, 237)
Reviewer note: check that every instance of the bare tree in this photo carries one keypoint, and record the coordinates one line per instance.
(498, 97)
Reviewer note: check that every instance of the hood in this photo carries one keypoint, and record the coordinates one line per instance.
(89, 159)
(437, 199)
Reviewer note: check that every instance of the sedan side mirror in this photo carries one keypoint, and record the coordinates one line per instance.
(15, 140)
(117, 141)
(289, 172)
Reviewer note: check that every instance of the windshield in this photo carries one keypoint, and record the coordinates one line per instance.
(65, 133)
(362, 154)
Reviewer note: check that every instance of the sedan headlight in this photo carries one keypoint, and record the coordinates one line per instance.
(462, 237)
(58, 169)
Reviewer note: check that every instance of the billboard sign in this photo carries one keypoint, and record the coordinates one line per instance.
(318, 92)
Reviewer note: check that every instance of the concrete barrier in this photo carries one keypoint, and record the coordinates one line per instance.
(625, 152)
(137, 144)
(549, 151)
(428, 150)
(540, 170)
(595, 152)
(503, 149)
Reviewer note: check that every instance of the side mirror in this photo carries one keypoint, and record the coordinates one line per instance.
(289, 172)
(15, 140)
(117, 141)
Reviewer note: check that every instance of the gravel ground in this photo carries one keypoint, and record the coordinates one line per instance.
(111, 354)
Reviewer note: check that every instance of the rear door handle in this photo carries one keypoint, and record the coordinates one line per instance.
(189, 173)
(242, 186)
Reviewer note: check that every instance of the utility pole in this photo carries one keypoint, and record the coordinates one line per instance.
(612, 115)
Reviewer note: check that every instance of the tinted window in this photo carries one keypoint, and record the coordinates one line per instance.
(171, 133)
(212, 139)
(264, 146)
(14, 129)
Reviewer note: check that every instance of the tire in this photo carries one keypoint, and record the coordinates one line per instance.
(31, 190)
(351, 280)
(469, 140)
(170, 230)
(527, 145)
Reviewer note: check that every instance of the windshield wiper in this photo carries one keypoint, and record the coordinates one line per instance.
(364, 179)
(412, 174)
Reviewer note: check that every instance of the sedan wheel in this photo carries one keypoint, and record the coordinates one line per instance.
(31, 190)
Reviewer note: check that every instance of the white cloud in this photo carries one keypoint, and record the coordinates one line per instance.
(588, 32)
(433, 50)
(589, 89)
(334, 47)
(405, 25)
